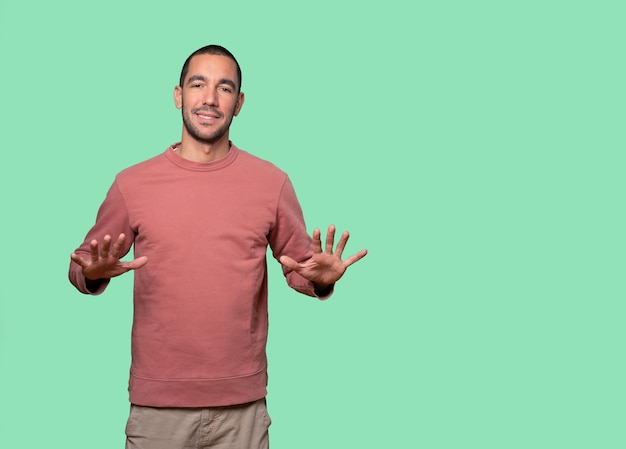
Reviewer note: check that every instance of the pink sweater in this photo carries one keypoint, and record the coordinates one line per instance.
(200, 321)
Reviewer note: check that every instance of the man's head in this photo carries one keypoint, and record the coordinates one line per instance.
(210, 50)
(209, 94)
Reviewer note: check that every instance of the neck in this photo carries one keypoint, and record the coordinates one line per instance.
(197, 151)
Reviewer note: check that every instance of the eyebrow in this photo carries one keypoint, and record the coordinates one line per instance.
(231, 83)
(196, 78)
(203, 78)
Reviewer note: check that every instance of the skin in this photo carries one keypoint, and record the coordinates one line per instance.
(209, 99)
(324, 268)
(105, 262)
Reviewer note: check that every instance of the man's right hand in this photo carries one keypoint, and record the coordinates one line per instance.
(105, 262)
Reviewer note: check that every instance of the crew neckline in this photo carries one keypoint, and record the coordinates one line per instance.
(173, 156)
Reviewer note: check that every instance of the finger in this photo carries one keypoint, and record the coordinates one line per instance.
(355, 258)
(106, 245)
(78, 260)
(342, 243)
(330, 239)
(118, 246)
(316, 243)
(136, 264)
(93, 250)
(288, 262)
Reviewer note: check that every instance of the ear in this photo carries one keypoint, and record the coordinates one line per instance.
(178, 97)
(239, 104)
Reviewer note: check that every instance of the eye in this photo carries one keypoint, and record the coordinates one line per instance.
(225, 89)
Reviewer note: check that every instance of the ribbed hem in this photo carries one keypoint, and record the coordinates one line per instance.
(197, 392)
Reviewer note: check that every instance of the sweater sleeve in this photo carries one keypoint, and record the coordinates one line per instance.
(112, 219)
(289, 237)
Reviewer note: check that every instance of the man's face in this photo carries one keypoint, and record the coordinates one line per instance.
(209, 98)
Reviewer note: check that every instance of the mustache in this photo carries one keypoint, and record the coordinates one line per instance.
(207, 109)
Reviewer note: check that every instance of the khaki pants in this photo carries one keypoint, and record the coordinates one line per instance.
(242, 426)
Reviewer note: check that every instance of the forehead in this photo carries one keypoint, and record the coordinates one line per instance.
(212, 67)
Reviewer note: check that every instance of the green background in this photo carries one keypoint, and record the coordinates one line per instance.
(475, 148)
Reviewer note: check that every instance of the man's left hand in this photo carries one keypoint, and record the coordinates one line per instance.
(324, 268)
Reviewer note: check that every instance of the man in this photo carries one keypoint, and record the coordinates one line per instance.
(201, 216)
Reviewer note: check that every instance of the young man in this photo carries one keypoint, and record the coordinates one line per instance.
(201, 216)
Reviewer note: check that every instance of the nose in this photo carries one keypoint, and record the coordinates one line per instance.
(210, 97)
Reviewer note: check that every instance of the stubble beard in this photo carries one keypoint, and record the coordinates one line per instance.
(195, 132)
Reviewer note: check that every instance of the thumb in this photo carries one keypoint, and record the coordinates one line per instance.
(288, 262)
(138, 263)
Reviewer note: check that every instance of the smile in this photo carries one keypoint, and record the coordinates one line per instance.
(208, 118)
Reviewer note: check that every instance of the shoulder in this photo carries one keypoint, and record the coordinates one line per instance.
(154, 164)
(258, 165)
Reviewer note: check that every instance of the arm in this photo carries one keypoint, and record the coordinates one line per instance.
(288, 237)
(97, 259)
(307, 269)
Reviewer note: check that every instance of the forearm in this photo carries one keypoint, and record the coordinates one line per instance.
(112, 219)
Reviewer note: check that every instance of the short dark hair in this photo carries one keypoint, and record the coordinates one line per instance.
(209, 50)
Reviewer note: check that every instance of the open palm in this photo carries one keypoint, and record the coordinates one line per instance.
(105, 262)
(324, 268)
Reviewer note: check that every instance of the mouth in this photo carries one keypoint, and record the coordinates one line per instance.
(207, 115)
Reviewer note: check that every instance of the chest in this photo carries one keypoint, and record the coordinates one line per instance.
(203, 209)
